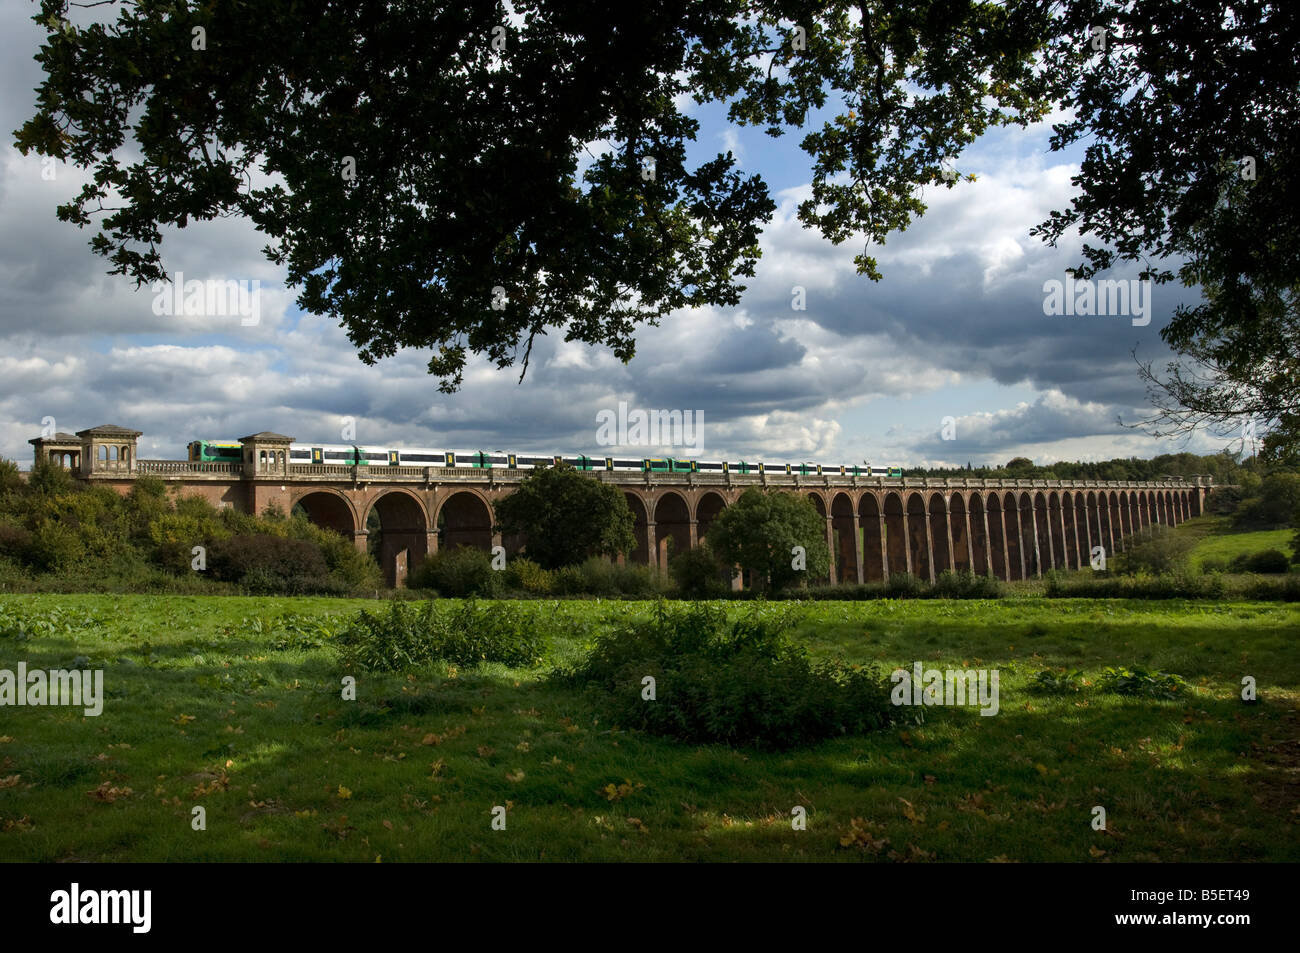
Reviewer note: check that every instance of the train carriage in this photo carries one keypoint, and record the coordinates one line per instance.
(422, 457)
(368, 456)
(669, 465)
(215, 451)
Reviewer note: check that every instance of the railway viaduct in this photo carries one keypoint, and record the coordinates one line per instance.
(1011, 529)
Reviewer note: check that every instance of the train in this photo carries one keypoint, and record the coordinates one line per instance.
(353, 455)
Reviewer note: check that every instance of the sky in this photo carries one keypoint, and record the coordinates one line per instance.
(949, 359)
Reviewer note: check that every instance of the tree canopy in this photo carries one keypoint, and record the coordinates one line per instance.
(567, 517)
(760, 531)
(418, 168)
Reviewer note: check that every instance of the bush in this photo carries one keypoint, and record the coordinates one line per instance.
(1157, 550)
(1286, 589)
(1224, 501)
(524, 575)
(596, 577)
(268, 564)
(568, 581)
(1142, 682)
(1048, 682)
(965, 585)
(463, 571)
(1180, 585)
(14, 542)
(698, 573)
(174, 536)
(1267, 561)
(11, 479)
(1212, 564)
(411, 635)
(349, 568)
(54, 546)
(738, 683)
(904, 585)
(1273, 505)
(49, 479)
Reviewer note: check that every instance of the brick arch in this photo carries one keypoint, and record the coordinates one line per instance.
(1056, 530)
(672, 518)
(1039, 546)
(329, 508)
(465, 518)
(1115, 520)
(844, 547)
(875, 558)
(818, 499)
(403, 534)
(898, 556)
(640, 527)
(940, 531)
(993, 503)
(707, 509)
(1014, 536)
(980, 552)
(958, 525)
(918, 543)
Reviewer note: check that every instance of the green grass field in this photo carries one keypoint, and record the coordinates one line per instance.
(211, 703)
(1215, 538)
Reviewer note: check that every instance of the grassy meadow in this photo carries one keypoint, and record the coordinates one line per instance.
(234, 704)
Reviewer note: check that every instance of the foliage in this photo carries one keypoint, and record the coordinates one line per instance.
(11, 479)
(1048, 682)
(1142, 682)
(760, 531)
(742, 682)
(596, 577)
(1157, 550)
(1179, 585)
(21, 623)
(965, 584)
(1274, 504)
(522, 574)
(901, 585)
(1265, 561)
(1213, 564)
(567, 517)
(49, 479)
(1286, 589)
(698, 573)
(462, 571)
(412, 636)
(265, 564)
